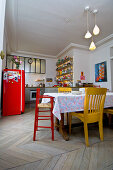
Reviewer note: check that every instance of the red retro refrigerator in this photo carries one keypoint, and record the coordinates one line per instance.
(13, 92)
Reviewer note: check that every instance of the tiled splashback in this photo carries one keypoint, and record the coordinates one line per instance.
(31, 77)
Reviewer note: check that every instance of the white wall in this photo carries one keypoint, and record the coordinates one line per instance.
(81, 64)
(2, 16)
(51, 71)
(69, 53)
(99, 55)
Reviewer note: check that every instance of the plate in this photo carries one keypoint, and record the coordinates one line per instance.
(76, 92)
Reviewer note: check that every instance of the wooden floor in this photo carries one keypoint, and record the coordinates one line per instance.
(19, 152)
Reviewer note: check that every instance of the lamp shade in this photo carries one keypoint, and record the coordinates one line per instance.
(92, 46)
(88, 35)
(96, 30)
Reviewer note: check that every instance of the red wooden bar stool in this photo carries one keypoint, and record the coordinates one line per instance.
(38, 117)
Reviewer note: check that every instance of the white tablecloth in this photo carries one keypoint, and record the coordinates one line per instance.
(70, 103)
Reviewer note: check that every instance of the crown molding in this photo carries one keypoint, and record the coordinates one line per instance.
(26, 53)
(84, 47)
(72, 45)
(78, 46)
(103, 41)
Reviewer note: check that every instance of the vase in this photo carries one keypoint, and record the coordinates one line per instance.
(17, 66)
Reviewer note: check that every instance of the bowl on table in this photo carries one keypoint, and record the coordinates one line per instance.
(76, 92)
(82, 90)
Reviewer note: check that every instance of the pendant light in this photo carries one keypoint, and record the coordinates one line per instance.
(92, 46)
(88, 34)
(96, 29)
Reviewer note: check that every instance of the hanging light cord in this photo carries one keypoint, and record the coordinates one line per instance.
(95, 19)
(87, 22)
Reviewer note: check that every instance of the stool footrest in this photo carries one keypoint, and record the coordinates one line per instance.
(44, 110)
(44, 127)
(44, 116)
(45, 119)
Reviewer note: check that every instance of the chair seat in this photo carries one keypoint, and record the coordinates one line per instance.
(110, 111)
(90, 119)
(44, 105)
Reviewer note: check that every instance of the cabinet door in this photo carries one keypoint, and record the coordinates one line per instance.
(43, 66)
(9, 62)
(33, 66)
(27, 66)
(37, 65)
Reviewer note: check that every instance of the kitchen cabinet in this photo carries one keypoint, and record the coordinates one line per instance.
(51, 90)
(43, 67)
(33, 66)
(27, 65)
(38, 65)
(30, 68)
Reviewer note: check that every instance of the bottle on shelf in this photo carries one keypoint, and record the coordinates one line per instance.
(65, 71)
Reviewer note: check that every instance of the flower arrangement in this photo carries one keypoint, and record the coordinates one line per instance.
(17, 61)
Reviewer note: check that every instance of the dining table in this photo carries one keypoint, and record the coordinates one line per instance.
(71, 102)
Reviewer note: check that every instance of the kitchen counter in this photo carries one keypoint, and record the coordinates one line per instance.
(29, 90)
(48, 87)
(43, 90)
(35, 87)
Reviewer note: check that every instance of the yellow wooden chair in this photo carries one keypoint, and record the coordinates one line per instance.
(64, 90)
(93, 110)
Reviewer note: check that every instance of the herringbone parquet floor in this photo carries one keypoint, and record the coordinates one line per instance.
(19, 152)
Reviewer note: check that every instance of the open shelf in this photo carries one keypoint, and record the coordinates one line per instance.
(65, 62)
(64, 74)
(65, 80)
(64, 68)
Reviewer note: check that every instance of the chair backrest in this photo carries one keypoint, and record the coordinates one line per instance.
(64, 90)
(39, 98)
(94, 101)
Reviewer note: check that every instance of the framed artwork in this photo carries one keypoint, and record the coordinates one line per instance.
(82, 77)
(101, 72)
(49, 80)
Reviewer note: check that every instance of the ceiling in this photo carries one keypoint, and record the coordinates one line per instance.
(48, 26)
